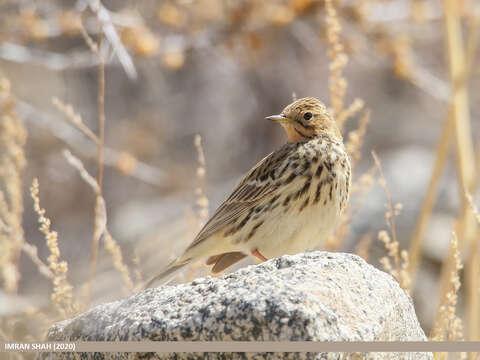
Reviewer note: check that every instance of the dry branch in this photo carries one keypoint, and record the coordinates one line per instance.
(466, 163)
(48, 121)
(111, 34)
(415, 249)
(101, 230)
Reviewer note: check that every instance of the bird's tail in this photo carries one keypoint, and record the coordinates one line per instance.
(173, 267)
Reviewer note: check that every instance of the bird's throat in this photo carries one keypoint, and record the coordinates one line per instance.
(298, 134)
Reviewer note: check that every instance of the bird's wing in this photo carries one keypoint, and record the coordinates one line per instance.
(259, 183)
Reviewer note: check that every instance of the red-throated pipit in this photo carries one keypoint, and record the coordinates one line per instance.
(288, 203)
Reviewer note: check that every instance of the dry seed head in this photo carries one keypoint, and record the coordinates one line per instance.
(141, 40)
(62, 294)
(337, 83)
(386, 263)
(384, 237)
(114, 249)
(173, 59)
(126, 163)
(69, 22)
(447, 325)
(34, 26)
(171, 15)
(279, 15)
(12, 162)
(74, 118)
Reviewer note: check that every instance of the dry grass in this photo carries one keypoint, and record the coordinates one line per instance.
(114, 249)
(473, 207)
(62, 294)
(202, 200)
(415, 249)
(466, 164)
(100, 219)
(201, 216)
(397, 261)
(101, 230)
(75, 119)
(448, 326)
(338, 86)
(100, 213)
(338, 61)
(355, 139)
(12, 163)
(358, 194)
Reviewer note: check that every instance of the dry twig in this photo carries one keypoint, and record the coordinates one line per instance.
(400, 258)
(202, 200)
(101, 229)
(111, 34)
(75, 119)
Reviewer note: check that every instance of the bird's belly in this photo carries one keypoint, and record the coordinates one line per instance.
(295, 231)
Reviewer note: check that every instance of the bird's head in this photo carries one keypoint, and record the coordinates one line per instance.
(305, 119)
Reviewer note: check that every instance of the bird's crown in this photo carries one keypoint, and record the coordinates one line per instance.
(305, 104)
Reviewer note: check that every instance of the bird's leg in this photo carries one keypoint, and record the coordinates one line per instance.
(257, 254)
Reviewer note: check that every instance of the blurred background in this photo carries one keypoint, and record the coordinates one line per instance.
(215, 68)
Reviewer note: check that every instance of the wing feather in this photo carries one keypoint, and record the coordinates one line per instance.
(252, 189)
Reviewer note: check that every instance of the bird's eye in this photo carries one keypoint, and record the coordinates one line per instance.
(307, 115)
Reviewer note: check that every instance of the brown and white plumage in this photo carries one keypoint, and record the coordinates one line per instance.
(287, 203)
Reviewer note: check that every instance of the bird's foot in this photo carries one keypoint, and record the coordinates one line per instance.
(257, 254)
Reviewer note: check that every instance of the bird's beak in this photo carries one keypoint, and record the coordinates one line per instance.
(280, 117)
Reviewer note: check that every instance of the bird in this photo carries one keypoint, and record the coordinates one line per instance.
(289, 202)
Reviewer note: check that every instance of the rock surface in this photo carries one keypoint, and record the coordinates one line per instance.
(317, 296)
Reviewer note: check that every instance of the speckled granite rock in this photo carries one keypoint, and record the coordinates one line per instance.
(317, 296)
